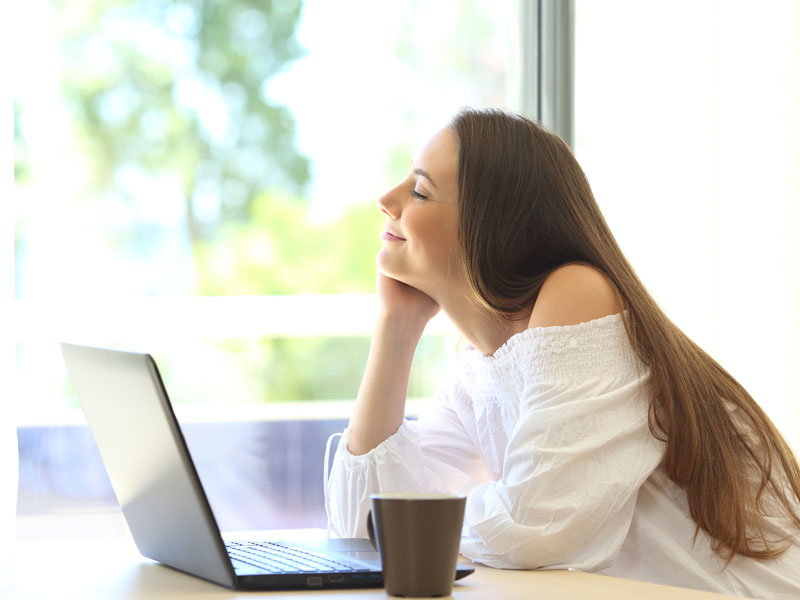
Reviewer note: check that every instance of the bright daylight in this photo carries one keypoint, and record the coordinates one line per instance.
(454, 298)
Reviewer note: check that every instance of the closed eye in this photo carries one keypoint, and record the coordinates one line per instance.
(417, 195)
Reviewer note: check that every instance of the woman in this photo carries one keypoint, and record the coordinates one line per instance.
(587, 430)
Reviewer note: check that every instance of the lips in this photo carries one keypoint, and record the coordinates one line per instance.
(386, 235)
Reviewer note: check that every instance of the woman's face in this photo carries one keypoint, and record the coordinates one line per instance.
(420, 243)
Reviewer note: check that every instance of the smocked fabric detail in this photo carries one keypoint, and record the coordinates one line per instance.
(592, 351)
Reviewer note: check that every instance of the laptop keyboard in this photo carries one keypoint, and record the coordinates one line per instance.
(281, 558)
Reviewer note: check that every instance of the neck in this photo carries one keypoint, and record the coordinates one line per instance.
(482, 327)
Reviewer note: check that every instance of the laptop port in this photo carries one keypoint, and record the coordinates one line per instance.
(314, 581)
(335, 578)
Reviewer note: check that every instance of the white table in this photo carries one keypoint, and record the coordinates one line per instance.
(110, 568)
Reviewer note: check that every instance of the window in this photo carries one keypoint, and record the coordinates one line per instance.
(197, 180)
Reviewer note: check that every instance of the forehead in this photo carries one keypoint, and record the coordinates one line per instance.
(439, 157)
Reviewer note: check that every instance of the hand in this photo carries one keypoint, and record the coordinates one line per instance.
(401, 301)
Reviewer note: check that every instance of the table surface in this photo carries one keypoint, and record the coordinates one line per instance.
(112, 568)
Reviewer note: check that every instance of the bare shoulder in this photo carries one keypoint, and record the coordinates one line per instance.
(573, 294)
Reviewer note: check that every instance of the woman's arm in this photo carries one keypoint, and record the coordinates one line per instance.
(435, 453)
(380, 405)
(403, 312)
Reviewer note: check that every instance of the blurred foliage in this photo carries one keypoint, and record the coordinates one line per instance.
(286, 369)
(175, 89)
(278, 251)
(167, 107)
(21, 160)
(337, 364)
(165, 91)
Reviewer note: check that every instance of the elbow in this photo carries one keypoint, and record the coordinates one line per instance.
(514, 535)
(533, 557)
(511, 545)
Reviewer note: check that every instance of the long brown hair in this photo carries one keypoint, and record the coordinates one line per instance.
(526, 208)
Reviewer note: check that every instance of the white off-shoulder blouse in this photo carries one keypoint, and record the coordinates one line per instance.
(549, 438)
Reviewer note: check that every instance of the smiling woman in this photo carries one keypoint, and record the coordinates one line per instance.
(422, 220)
(586, 429)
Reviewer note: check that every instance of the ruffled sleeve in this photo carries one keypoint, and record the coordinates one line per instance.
(435, 453)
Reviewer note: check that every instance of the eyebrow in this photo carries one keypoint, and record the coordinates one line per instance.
(425, 174)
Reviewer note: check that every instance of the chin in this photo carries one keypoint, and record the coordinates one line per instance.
(387, 266)
(391, 269)
(390, 266)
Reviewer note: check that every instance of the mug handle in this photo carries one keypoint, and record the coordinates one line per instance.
(371, 530)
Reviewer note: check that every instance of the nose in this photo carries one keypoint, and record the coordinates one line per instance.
(389, 204)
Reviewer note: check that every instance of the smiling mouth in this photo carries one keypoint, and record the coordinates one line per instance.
(390, 237)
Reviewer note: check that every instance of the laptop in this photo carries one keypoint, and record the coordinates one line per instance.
(162, 498)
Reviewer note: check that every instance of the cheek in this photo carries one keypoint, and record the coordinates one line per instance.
(440, 237)
(449, 242)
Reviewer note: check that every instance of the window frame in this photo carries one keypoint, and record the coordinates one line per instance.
(546, 64)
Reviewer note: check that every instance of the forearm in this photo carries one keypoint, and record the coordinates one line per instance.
(380, 406)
